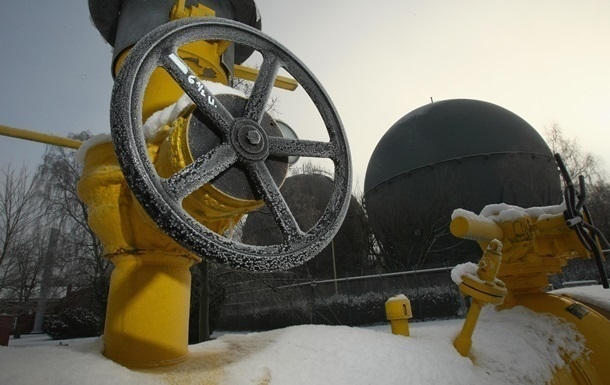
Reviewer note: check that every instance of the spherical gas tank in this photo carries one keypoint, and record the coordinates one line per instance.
(453, 154)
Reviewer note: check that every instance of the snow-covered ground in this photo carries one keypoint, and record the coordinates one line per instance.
(515, 346)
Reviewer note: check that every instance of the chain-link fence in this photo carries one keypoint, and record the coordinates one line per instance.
(359, 300)
(345, 301)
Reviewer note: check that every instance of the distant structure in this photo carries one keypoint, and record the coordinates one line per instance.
(446, 155)
(307, 195)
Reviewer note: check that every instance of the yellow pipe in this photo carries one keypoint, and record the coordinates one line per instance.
(148, 309)
(251, 74)
(483, 291)
(34, 136)
(463, 342)
(476, 229)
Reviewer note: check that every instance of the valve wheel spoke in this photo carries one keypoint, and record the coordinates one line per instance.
(195, 88)
(200, 172)
(272, 196)
(261, 91)
(279, 146)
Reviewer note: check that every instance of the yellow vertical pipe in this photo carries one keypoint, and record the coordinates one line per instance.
(484, 290)
(463, 341)
(148, 309)
(149, 299)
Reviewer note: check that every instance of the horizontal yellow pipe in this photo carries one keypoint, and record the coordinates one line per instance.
(34, 136)
(475, 229)
(251, 74)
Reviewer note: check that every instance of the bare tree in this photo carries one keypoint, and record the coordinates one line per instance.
(22, 233)
(583, 163)
(580, 162)
(577, 161)
(81, 262)
(17, 214)
(23, 284)
(598, 203)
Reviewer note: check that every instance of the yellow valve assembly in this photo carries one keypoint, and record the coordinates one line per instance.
(533, 246)
(148, 303)
(484, 289)
(161, 195)
(398, 312)
(537, 242)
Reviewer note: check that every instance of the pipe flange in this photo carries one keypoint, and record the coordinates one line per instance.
(484, 291)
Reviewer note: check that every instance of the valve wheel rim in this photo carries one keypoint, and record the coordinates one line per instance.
(161, 197)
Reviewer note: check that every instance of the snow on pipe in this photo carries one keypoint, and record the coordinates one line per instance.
(475, 228)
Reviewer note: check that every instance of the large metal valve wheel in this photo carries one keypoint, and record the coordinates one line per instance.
(243, 144)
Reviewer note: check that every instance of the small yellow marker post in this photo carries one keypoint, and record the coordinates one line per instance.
(398, 311)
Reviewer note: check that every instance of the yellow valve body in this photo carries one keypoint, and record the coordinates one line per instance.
(149, 301)
(149, 298)
(217, 210)
(532, 249)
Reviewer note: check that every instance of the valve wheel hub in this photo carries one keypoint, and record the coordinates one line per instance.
(249, 140)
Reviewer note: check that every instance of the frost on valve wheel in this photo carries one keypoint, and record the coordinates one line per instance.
(243, 144)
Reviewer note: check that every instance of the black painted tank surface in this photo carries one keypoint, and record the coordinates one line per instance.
(452, 154)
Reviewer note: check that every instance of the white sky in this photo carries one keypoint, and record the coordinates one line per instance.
(547, 61)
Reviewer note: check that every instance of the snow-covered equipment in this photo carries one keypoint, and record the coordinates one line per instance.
(192, 157)
(238, 164)
(538, 242)
(189, 156)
